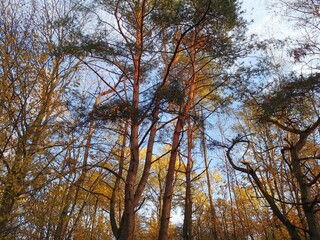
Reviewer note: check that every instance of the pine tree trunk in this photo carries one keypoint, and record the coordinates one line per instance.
(187, 223)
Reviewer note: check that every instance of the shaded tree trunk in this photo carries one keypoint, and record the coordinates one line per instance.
(115, 191)
(187, 223)
(308, 202)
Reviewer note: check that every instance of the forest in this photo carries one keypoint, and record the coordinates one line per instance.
(158, 119)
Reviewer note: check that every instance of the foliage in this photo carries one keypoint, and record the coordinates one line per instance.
(105, 110)
(293, 99)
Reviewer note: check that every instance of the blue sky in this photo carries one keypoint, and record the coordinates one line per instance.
(266, 23)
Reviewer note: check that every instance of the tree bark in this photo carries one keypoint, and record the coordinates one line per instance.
(183, 115)
(187, 223)
(308, 202)
(127, 224)
(115, 191)
(168, 193)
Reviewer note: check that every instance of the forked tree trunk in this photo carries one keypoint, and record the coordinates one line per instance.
(168, 193)
(127, 224)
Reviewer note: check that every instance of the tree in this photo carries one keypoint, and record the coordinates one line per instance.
(33, 82)
(71, 147)
(142, 29)
(291, 110)
(226, 15)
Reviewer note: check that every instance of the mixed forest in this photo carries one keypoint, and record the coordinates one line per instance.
(158, 119)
